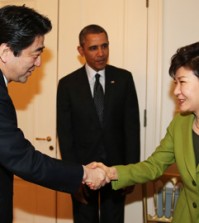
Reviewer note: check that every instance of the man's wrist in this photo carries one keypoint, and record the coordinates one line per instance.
(85, 175)
(114, 173)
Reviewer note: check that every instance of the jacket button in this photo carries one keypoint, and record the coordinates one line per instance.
(194, 205)
(193, 183)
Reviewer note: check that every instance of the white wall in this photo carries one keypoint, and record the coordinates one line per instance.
(180, 28)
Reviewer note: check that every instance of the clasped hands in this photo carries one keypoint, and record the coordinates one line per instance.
(96, 175)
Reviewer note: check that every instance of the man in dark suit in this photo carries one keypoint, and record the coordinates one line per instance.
(22, 32)
(109, 133)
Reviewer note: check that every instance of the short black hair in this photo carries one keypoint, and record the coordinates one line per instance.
(20, 25)
(187, 56)
(90, 29)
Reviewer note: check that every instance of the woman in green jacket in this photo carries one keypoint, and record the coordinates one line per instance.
(180, 144)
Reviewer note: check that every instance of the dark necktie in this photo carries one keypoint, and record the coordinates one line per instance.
(99, 97)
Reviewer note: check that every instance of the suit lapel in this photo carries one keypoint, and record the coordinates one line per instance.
(110, 82)
(188, 149)
(85, 92)
(84, 86)
(10, 107)
(2, 81)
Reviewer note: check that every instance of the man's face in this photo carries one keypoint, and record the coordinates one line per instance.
(19, 68)
(95, 50)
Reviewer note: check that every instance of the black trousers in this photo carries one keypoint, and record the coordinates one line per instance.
(104, 206)
(6, 196)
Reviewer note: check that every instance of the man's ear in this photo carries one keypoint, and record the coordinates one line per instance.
(4, 50)
(80, 50)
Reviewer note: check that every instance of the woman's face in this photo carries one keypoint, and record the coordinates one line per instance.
(187, 90)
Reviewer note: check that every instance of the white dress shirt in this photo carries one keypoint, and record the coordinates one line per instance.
(91, 77)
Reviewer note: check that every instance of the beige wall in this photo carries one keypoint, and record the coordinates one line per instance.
(180, 28)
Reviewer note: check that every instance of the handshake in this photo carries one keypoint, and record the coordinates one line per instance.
(96, 175)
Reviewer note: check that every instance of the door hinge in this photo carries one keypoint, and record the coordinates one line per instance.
(145, 117)
(147, 3)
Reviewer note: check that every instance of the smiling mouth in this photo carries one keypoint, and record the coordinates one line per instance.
(181, 101)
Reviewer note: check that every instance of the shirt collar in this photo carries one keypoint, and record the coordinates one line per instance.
(91, 72)
(6, 81)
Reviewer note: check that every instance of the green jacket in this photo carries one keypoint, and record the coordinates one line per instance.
(176, 146)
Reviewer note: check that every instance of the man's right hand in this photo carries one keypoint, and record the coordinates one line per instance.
(94, 177)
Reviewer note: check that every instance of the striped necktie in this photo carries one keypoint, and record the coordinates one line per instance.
(99, 97)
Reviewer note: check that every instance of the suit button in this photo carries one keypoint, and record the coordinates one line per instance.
(193, 183)
(194, 205)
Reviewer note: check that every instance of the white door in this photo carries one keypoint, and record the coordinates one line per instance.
(36, 111)
(179, 30)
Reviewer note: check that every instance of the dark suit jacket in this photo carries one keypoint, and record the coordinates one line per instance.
(79, 131)
(18, 156)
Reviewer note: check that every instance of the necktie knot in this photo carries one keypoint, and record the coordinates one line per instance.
(97, 77)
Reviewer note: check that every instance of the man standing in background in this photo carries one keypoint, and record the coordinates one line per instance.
(98, 120)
